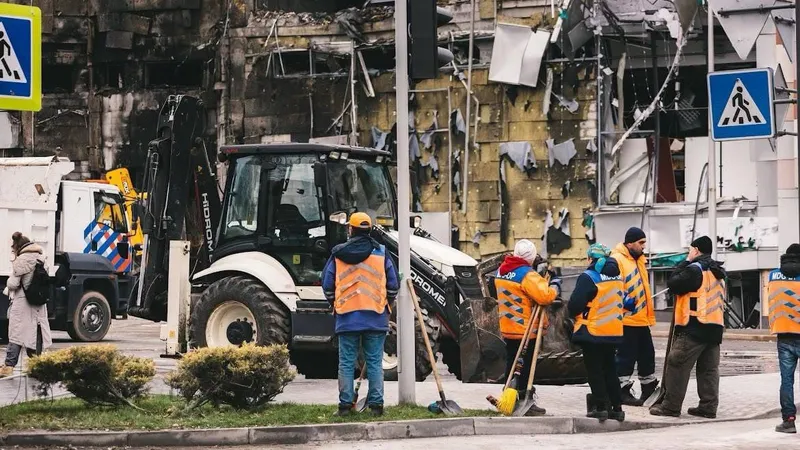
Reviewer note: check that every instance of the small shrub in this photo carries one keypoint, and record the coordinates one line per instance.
(96, 374)
(243, 377)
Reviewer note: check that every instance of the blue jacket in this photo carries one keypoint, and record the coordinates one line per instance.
(355, 250)
(585, 290)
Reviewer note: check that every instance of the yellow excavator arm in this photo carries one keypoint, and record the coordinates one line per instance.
(121, 178)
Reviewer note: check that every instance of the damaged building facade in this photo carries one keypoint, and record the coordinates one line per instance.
(584, 117)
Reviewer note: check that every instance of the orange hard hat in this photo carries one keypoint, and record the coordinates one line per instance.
(360, 220)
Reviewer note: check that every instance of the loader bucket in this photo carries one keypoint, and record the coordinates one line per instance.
(483, 351)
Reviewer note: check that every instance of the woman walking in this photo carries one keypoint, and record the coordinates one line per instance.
(28, 326)
(596, 303)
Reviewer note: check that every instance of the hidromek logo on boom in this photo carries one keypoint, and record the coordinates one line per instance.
(207, 219)
(428, 288)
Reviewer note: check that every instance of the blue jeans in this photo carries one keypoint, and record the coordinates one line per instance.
(788, 354)
(372, 342)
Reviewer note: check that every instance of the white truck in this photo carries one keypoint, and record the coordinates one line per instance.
(82, 228)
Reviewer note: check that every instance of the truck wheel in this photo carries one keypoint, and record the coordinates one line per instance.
(3, 331)
(235, 310)
(91, 319)
(422, 364)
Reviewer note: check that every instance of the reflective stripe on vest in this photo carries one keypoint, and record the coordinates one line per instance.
(634, 288)
(362, 286)
(514, 305)
(709, 302)
(784, 304)
(604, 317)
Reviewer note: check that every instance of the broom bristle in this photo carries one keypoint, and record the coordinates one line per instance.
(507, 401)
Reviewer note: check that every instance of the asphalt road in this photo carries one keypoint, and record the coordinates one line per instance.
(141, 338)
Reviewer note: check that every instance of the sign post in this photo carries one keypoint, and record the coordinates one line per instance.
(20, 57)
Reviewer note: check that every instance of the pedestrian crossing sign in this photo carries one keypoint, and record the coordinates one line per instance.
(741, 104)
(20, 57)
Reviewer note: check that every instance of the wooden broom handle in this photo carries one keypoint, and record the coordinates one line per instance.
(536, 347)
(421, 321)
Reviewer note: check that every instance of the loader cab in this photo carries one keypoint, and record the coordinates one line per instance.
(279, 200)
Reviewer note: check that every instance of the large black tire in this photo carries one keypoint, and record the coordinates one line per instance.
(91, 319)
(4, 331)
(271, 319)
(317, 365)
(422, 364)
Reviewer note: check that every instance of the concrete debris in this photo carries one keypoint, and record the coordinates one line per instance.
(293, 19)
(351, 22)
(457, 123)
(521, 154)
(563, 152)
(569, 104)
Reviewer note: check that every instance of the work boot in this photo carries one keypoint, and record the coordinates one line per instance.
(376, 410)
(787, 426)
(599, 412)
(6, 371)
(659, 410)
(535, 411)
(617, 414)
(697, 412)
(628, 398)
(345, 411)
(647, 391)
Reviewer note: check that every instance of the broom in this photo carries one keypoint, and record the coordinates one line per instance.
(508, 399)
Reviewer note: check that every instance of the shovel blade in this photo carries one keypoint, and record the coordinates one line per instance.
(655, 397)
(449, 408)
(361, 405)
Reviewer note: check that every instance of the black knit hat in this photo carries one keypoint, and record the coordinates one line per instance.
(703, 243)
(634, 234)
(793, 249)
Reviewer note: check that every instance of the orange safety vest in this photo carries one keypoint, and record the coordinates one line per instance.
(362, 286)
(784, 303)
(637, 286)
(516, 305)
(707, 303)
(604, 317)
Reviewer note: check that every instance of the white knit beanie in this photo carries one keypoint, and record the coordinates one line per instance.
(525, 250)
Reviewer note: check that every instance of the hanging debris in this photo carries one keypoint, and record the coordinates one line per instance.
(563, 152)
(520, 154)
(351, 22)
(558, 234)
(566, 188)
(457, 123)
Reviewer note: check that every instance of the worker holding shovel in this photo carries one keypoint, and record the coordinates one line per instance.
(519, 289)
(597, 305)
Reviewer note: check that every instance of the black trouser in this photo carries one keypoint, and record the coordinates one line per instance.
(601, 368)
(684, 353)
(636, 348)
(512, 345)
(13, 350)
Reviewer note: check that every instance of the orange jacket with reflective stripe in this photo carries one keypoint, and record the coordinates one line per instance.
(784, 303)
(362, 286)
(636, 285)
(604, 317)
(517, 291)
(707, 303)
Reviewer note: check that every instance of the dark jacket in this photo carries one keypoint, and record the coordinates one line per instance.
(355, 250)
(689, 278)
(585, 291)
(790, 266)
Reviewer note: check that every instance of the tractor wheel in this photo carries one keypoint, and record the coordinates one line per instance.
(317, 365)
(236, 310)
(422, 363)
(451, 357)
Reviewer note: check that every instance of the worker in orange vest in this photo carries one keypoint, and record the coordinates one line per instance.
(361, 283)
(784, 303)
(519, 289)
(699, 288)
(637, 342)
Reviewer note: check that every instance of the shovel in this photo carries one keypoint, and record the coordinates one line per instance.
(526, 404)
(448, 407)
(360, 405)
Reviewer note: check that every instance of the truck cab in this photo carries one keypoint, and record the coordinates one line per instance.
(82, 229)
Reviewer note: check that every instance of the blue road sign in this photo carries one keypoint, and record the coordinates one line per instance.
(20, 57)
(741, 104)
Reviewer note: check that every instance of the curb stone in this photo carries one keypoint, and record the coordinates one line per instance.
(364, 431)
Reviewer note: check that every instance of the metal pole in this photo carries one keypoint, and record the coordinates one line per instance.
(405, 313)
(469, 104)
(712, 150)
